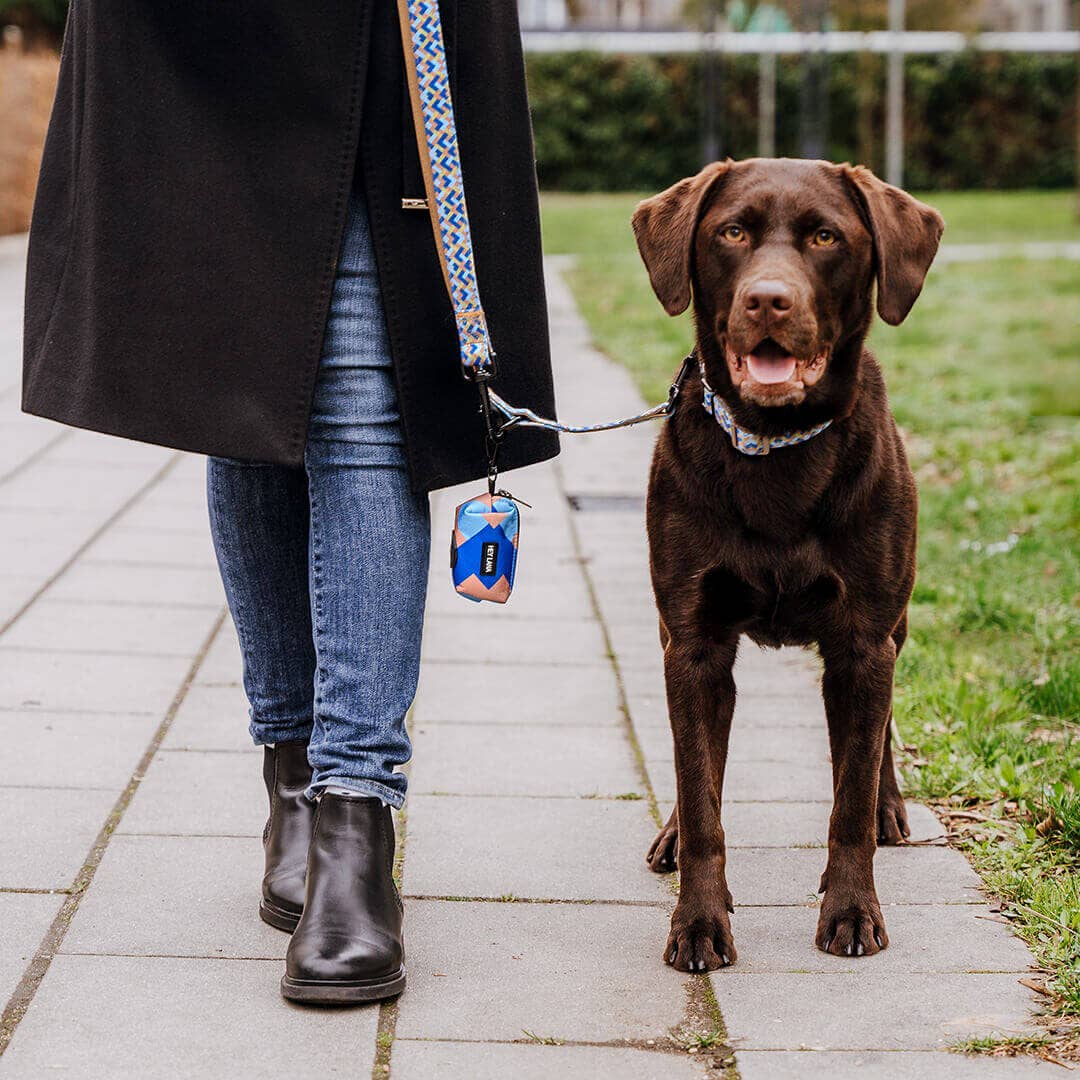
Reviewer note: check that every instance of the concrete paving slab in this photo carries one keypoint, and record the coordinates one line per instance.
(922, 938)
(75, 750)
(869, 1010)
(64, 626)
(20, 442)
(139, 1018)
(40, 542)
(75, 681)
(783, 781)
(754, 742)
(904, 875)
(886, 1065)
(196, 793)
(223, 664)
(181, 489)
(662, 778)
(16, 590)
(504, 759)
(177, 896)
(183, 586)
(122, 544)
(211, 718)
(24, 920)
(477, 637)
(48, 833)
(165, 518)
(564, 849)
(74, 487)
(91, 447)
(569, 971)
(551, 696)
(414, 1060)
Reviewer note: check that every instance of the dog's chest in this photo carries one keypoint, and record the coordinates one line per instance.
(792, 606)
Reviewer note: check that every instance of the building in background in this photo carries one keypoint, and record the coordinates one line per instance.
(1025, 15)
(599, 14)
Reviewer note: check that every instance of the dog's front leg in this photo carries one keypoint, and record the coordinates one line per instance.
(857, 687)
(701, 700)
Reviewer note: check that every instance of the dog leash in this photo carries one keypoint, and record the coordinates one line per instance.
(440, 162)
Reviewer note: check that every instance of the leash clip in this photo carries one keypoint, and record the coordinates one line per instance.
(676, 387)
(493, 431)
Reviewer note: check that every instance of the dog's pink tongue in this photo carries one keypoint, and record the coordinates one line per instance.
(771, 367)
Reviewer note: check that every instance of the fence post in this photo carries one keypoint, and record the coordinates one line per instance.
(766, 139)
(813, 103)
(894, 108)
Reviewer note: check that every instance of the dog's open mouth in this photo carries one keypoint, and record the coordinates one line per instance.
(771, 375)
(770, 363)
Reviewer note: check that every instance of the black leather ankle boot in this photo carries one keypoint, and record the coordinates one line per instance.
(287, 834)
(348, 945)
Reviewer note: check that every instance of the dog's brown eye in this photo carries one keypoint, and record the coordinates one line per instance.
(824, 238)
(736, 234)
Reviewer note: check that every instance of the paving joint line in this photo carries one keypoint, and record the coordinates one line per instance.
(60, 711)
(23, 995)
(662, 1045)
(35, 457)
(552, 901)
(100, 531)
(14, 890)
(153, 605)
(59, 650)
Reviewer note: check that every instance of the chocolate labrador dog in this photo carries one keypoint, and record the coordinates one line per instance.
(785, 508)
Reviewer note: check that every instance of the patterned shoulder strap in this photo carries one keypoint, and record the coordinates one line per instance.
(436, 139)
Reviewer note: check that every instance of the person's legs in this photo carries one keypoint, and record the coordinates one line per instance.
(259, 521)
(369, 543)
(368, 562)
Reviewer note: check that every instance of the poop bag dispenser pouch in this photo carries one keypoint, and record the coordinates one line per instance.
(484, 547)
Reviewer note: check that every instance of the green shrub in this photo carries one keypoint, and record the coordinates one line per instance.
(973, 120)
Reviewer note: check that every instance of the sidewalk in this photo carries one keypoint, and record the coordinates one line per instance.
(132, 807)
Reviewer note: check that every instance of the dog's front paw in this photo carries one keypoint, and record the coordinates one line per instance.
(663, 854)
(892, 822)
(850, 925)
(700, 942)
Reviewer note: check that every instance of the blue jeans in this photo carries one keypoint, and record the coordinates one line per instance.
(325, 566)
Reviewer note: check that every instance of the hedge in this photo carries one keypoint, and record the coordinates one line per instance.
(973, 120)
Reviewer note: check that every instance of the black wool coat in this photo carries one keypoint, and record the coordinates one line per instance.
(190, 211)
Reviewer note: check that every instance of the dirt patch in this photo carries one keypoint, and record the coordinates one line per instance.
(27, 86)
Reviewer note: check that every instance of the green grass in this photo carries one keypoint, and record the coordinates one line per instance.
(1004, 1045)
(984, 378)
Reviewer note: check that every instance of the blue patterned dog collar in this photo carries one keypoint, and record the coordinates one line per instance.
(746, 442)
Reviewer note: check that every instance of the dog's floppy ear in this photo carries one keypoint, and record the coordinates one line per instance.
(664, 228)
(906, 234)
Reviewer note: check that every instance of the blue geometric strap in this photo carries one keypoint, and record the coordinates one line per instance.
(436, 137)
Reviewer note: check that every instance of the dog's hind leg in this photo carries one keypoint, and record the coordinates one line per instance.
(857, 688)
(663, 854)
(701, 701)
(892, 822)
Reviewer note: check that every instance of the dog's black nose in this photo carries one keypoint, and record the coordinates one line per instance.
(768, 299)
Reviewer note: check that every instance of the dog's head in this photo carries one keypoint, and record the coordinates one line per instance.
(779, 257)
